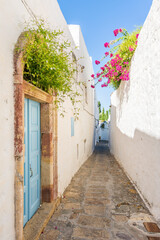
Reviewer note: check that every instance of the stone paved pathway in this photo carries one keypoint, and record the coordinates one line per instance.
(97, 204)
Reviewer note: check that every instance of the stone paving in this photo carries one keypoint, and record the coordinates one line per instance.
(98, 204)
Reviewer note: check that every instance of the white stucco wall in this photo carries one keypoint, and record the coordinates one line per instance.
(135, 115)
(74, 150)
(12, 17)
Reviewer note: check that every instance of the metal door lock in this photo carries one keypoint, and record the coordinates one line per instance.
(31, 171)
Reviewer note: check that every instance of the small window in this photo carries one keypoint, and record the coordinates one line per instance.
(72, 126)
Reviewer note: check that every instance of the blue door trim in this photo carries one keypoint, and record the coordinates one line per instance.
(72, 126)
(25, 217)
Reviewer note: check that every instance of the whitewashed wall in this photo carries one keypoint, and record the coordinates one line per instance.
(74, 150)
(12, 16)
(135, 115)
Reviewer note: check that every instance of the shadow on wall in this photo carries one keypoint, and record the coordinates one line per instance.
(123, 95)
(140, 158)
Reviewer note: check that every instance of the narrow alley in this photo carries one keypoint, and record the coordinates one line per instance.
(100, 203)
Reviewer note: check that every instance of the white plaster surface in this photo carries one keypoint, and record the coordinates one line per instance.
(12, 17)
(74, 150)
(135, 115)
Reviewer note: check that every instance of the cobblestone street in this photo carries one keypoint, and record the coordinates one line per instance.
(100, 203)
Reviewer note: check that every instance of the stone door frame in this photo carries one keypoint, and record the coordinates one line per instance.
(49, 126)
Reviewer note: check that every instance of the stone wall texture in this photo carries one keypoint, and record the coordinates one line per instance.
(135, 118)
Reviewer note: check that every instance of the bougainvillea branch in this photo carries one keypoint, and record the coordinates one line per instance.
(116, 69)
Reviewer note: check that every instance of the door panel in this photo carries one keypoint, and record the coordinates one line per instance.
(32, 159)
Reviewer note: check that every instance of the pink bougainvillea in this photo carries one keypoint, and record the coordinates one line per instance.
(104, 85)
(100, 80)
(92, 75)
(131, 49)
(97, 62)
(102, 68)
(116, 69)
(106, 44)
(116, 31)
(106, 53)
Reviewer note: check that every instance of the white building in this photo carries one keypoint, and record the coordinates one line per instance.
(104, 131)
(66, 143)
(135, 115)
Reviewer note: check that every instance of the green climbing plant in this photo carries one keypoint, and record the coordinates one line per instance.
(48, 62)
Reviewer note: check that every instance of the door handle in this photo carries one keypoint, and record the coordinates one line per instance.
(31, 171)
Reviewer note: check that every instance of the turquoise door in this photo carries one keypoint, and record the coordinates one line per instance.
(32, 158)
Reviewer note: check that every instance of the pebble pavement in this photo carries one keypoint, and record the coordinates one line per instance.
(97, 204)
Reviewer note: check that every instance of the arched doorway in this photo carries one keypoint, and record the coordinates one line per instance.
(48, 147)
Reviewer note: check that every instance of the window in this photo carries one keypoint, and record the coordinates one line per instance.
(72, 126)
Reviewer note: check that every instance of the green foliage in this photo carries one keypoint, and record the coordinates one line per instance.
(48, 61)
(99, 106)
(104, 116)
(129, 41)
(107, 115)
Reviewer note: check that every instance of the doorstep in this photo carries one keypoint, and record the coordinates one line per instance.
(37, 223)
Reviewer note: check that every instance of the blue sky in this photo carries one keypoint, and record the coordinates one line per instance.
(98, 19)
